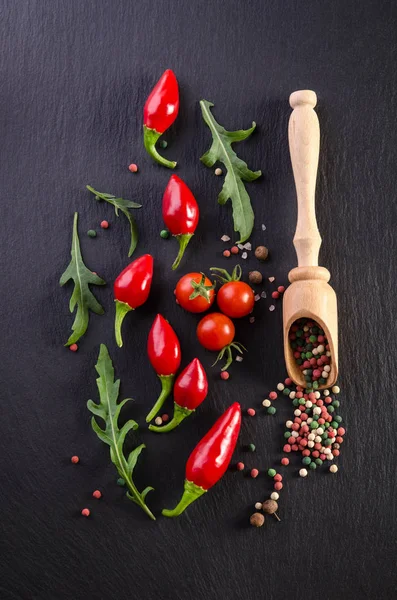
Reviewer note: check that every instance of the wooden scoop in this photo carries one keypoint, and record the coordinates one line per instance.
(309, 294)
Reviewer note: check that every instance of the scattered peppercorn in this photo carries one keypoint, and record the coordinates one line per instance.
(158, 421)
(121, 482)
(254, 473)
(261, 253)
(218, 171)
(163, 144)
(97, 494)
(271, 472)
(91, 233)
(271, 410)
(165, 418)
(258, 505)
(85, 512)
(255, 277)
(266, 403)
(75, 460)
(274, 495)
(281, 289)
(285, 461)
(226, 253)
(275, 295)
(240, 466)
(73, 347)
(104, 224)
(270, 507)
(165, 234)
(225, 375)
(257, 519)
(251, 447)
(133, 168)
(234, 250)
(333, 469)
(303, 473)
(251, 412)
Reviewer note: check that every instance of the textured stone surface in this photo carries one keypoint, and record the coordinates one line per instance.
(74, 77)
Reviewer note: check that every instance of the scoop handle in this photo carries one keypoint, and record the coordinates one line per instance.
(304, 146)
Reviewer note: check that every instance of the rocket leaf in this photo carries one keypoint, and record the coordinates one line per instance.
(123, 205)
(82, 295)
(109, 410)
(237, 170)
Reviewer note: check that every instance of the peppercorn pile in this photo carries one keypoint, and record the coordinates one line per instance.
(311, 352)
(315, 433)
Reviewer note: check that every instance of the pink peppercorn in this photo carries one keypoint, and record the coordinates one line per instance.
(225, 375)
(299, 395)
(251, 412)
(285, 461)
(278, 477)
(312, 361)
(133, 168)
(306, 452)
(281, 290)
(317, 446)
(240, 466)
(304, 442)
(315, 453)
(275, 295)
(335, 452)
(298, 439)
(291, 440)
(323, 456)
(320, 339)
(299, 388)
(316, 373)
(234, 250)
(295, 447)
(273, 395)
(85, 512)
(288, 381)
(321, 421)
(295, 427)
(104, 224)
(73, 347)
(312, 397)
(287, 448)
(165, 418)
(226, 253)
(328, 400)
(254, 473)
(341, 431)
(304, 416)
(297, 354)
(97, 494)
(339, 439)
(320, 402)
(278, 486)
(75, 460)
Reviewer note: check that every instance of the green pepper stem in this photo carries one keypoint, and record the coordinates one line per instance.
(183, 240)
(166, 388)
(180, 413)
(150, 137)
(121, 310)
(190, 494)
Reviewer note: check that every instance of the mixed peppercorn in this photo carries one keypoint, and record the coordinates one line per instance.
(311, 352)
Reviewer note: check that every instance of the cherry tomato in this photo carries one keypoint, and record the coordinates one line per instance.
(198, 285)
(215, 331)
(236, 299)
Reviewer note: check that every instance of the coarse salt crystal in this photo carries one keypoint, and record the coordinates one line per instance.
(225, 238)
(240, 246)
(263, 227)
(271, 279)
(263, 294)
(247, 246)
(257, 297)
(252, 319)
(239, 359)
(244, 255)
(272, 307)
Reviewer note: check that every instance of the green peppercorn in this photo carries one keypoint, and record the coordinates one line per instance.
(316, 417)
(334, 425)
(335, 403)
(309, 355)
(271, 410)
(302, 401)
(327, 442)
(251, 447)
(164, 233)
(313, 338)
(91, 233)
(312, 465)
(271, 472)
(338, 418)
(299, 361)
(163, 144)
(318, 462)
(295, 402)
(315, 385)
(287, 434)
(306, 460)
(299, 333)
(121, 482)
(313, 425)
(286, 391)
(322, 380)
(331, 409)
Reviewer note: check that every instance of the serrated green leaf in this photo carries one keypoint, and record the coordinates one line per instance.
(109, 410)
(82, 295)
(237, 170)
(123, 205)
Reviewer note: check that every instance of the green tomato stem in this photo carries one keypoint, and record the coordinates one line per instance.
(121, 310)
(150, 137)
(167, 382)
(190, 494)
(183, 240)
(180, 413)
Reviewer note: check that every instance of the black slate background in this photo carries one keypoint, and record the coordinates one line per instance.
(74, 77)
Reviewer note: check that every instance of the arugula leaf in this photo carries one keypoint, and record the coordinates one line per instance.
(123, 205)
(82, 295)
(237, 170)
(112, 435)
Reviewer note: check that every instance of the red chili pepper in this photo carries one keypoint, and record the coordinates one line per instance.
(160, 111)
(210, 459)
(131, 289)
(190, 390)
(180, 213)
(164, 354)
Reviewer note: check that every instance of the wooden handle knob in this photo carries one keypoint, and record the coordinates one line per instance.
(304, 145)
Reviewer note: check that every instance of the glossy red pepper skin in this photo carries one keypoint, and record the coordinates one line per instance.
(160, 111)
(190, 390)
(180, 213)
(210, 459)
(131, 289)
(164, 353)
